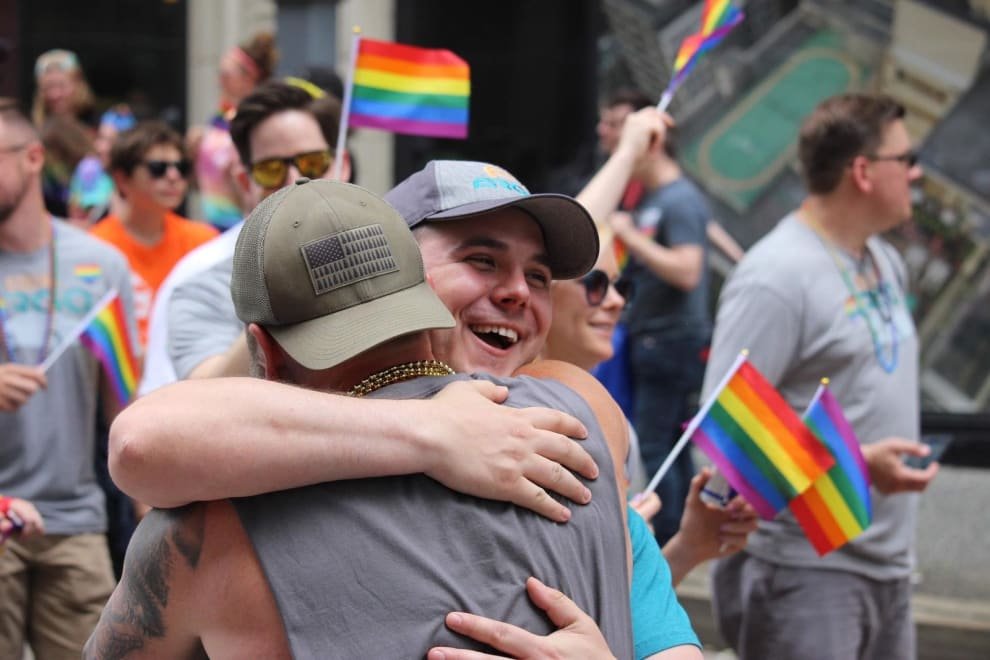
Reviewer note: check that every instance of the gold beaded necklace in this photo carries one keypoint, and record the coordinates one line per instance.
(400, 372)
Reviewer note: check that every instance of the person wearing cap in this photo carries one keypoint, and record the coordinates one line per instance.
(332, 288)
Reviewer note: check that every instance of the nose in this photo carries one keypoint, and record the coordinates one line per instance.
(916, 172)
(614, 301)
(512, 289)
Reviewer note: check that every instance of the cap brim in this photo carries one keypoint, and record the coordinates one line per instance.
(327, 341)
(568, 229)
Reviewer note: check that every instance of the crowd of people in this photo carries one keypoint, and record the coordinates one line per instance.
(369, 426)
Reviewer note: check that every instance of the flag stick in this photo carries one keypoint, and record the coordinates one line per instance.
(345, 109)
(84, 322)
(818, 395)
(695, 423)
(665, 99)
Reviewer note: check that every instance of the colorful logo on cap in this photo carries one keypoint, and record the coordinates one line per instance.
(496, 177)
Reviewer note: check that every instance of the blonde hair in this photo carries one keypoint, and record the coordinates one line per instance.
(66, 62)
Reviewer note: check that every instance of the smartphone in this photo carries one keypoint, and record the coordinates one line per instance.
(938, 443)
(717, 491)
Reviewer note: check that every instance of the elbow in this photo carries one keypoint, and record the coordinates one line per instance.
(689, 280)
(130, 441)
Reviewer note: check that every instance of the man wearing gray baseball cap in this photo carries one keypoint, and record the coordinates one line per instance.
(332, 287)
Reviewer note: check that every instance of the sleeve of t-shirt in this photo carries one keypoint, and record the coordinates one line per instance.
(202, 321)
(685, 221)
(659, 621)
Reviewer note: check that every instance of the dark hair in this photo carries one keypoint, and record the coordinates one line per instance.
(273, 97)
(129, 148)
(838, 130)
(66, 140)
(628, 96)
(261, 49)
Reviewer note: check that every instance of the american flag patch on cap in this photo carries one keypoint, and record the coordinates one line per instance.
(351, 256)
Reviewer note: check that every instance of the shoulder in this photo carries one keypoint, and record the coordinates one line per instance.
(783, 260)
(86, 245)
(195, 233)
(603, 406)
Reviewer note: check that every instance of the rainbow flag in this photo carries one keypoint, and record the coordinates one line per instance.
(405, 89)
(718, 18)
(108, 338)
(836, 509)
(758, 443)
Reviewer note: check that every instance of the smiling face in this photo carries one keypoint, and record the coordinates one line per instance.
(492, 274)
(581, 333)
(57, 90)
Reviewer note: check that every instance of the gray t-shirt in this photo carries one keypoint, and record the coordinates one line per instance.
(369, 568)
(788, 303)
(47, 447)
(675, 214)
(202, 321)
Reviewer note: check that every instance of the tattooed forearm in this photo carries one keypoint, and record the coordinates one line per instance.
(136, 611)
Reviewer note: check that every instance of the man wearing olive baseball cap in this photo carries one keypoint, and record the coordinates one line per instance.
(331, 284)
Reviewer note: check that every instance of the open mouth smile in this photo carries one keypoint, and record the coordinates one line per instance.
(495, 335)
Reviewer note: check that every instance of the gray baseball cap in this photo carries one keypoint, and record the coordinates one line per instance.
(454, 189)
(331, 270)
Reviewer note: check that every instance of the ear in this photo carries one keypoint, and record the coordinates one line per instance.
(121, 181)
(345, 165)
(35, 155)
(270, 357)
(861, 174)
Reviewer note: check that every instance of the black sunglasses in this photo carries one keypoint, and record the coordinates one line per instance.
(158, 168)
(271, 172)
(596, 285)
(909, 158)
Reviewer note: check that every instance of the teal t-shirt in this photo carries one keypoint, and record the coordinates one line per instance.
(658, 623)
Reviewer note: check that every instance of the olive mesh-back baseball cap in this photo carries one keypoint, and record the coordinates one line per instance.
(331, 270)
(455, 189)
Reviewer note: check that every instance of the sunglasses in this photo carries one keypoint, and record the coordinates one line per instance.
(271, 172)
(596, 284)
(158, 168)
(909, 158)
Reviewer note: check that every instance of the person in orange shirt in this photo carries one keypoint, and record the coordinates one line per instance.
(149, 167)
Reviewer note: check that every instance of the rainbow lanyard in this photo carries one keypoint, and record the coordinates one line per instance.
(880, 299)
(6, 351)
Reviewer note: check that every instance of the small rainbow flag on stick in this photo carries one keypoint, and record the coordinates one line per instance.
(836, 509)
(758, 443)
(104, 331)
(718, 17)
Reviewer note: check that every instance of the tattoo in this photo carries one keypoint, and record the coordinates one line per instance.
(136, 611)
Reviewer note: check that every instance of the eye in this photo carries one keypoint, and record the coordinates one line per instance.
(481, 261)
(539, 278)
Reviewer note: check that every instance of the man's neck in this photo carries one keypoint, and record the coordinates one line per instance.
(661, 173)
(412, 348)
(838, 220)
(28, 229)
(146, 225)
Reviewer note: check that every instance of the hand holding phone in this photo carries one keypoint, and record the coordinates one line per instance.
(937, 444)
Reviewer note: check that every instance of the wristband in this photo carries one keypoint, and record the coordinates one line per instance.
(5, 503)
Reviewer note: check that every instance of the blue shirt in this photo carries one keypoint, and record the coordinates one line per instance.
(658, 623)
